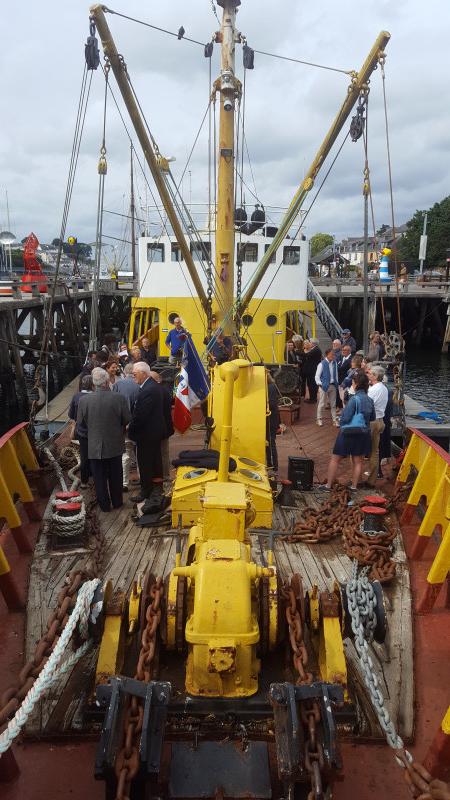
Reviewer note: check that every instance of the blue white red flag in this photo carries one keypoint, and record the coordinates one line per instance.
(192, 388)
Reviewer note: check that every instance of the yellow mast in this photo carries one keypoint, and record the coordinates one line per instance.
(228, 87)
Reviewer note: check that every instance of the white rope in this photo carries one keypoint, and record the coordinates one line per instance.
(53, 669)
(57, 467)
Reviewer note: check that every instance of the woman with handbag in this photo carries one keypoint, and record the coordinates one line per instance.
(354, 438)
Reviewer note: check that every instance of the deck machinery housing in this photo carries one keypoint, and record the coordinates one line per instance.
(230, 715)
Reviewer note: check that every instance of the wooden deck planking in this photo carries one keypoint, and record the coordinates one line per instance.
(131, 550)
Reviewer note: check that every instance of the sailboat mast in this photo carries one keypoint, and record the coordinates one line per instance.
(132, 215)
(227, 87)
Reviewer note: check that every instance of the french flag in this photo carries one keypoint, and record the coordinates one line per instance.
(192, 388)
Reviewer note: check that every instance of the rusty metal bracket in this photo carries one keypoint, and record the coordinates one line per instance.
(289, 737)
(113, 699)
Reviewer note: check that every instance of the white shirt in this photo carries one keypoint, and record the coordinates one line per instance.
(379, 394)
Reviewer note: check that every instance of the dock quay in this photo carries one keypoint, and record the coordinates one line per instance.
(424, 306)
(22, 320)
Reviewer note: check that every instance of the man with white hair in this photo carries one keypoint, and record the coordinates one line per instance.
(105, 415)
(378, 391)
(147, 428)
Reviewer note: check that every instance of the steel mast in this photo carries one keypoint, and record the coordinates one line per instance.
(229, 88)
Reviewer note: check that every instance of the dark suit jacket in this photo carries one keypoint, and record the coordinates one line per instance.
(148, 424)
(312, 359)
(105, 415)
(344, 367)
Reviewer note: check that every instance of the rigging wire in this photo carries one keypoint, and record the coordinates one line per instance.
(162, 220)
(381, 60)
(102, 169)
(302, 223)
(202, 44)
(372, 213)
(306, 63)
(76, 144)
(154, 27)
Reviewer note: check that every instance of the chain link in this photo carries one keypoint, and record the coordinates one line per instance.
(361, 605)
(295, 626)
(127, 760)
(335, 517)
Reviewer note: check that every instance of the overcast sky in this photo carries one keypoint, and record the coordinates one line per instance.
(289, 108)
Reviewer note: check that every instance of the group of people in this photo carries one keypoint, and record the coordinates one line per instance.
(122, 410)
(348, 383)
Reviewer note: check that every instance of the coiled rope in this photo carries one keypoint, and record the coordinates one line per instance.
(63, 522)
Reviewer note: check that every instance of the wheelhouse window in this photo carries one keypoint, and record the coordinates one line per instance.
(176, 252)
(291, 255)
(247, 251)
(201, 251)
(155, 252)
(273, 257)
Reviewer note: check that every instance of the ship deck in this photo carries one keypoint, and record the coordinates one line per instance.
(411, 665)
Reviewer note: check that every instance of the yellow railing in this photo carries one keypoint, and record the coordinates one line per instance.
(16, 457)
(432, 487)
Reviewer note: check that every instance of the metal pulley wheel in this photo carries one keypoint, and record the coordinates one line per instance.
(271, 614)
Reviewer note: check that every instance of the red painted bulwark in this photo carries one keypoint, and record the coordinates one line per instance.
(9, 434)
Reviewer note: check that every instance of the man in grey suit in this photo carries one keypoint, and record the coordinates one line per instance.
(105, 414)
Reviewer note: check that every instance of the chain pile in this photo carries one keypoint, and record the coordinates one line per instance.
(127, 760)
(334, 518)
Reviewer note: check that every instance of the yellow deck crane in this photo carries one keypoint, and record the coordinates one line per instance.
(222, 720)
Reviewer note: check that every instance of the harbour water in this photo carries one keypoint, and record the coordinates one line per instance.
(427, 379)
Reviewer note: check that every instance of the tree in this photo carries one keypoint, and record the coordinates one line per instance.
(381, 231)
(319, 241)
(438, 231)
(55, 242)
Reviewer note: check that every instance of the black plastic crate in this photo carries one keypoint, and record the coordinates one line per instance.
(301, 472)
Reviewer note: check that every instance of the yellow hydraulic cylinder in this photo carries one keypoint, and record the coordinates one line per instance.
(229, 372)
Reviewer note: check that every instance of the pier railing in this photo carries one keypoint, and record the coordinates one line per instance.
(326, 317)
(430, 492)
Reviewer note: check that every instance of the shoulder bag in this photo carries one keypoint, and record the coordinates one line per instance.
(357, 424)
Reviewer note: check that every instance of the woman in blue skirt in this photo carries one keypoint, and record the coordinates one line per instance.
(356, 445)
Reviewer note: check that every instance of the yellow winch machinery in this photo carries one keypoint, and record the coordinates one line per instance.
(222, 630)
(227, 615)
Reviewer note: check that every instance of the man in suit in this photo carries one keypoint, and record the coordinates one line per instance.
(313, 358)
(148, 428)
(105, 415)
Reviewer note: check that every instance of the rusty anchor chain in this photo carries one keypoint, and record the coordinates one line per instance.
(65, 602)
(310, 714)
(334, 518)
(127, 760)
(292, 595)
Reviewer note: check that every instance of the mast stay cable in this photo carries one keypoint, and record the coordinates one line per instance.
(381, 60)
(76, 144)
